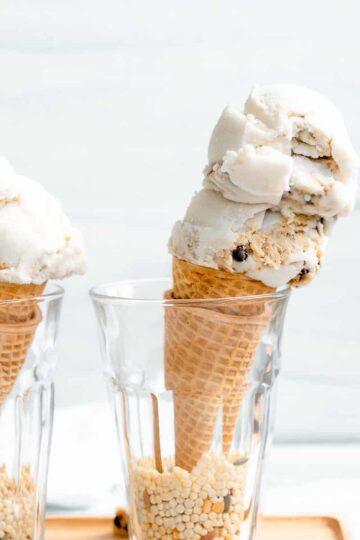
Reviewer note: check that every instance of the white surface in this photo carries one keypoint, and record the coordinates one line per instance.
(110, 104)
(314, 480)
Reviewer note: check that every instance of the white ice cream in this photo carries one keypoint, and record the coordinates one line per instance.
(37, 240)
(210, 228)
(213, 227)
(302, 138)
(278, 175)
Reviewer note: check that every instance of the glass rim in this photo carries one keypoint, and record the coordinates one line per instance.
(97, 294)
(56, 291)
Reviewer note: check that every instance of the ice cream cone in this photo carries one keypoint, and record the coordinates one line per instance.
(208, 354)
(21, 311)
(231, 406)
(18, 323)
(194, 281)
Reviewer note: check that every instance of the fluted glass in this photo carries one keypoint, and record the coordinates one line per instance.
(191, 383)
(28, 329)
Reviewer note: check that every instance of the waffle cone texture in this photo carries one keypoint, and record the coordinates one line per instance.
(18, 323)
(194, 281)
(208, 354)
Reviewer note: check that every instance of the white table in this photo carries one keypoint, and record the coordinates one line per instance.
(315, 479)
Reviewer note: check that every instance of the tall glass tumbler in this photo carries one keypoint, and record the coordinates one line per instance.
(28, 328)
(191, 383)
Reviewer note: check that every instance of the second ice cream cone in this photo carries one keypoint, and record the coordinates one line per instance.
(14, 312)
(19, 318)
(38, 243)
(15, 340)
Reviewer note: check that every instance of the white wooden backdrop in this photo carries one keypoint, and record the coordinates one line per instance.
(110, 105)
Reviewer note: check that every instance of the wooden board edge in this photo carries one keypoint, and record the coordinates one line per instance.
(337, 523)
(80, 518)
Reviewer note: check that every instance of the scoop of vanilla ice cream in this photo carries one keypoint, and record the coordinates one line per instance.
(249, 238)
(37, 240)
(278, 175)
(207, 234)
(309, 158)
(245, 164)
(252, 175)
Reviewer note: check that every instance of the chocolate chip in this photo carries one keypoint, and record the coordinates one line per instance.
(240, 254)
(304, 271)
(322, 221)
(117, 522)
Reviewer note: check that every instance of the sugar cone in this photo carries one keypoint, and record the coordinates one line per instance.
(208, 353)
(21, 311)
(231, 405)
(18, 323)
(200, 413)
(193, 281)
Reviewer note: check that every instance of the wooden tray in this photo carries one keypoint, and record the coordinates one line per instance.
(270, 528)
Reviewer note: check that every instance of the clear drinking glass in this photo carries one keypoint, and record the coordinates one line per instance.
(28, 329)
(191, 382)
